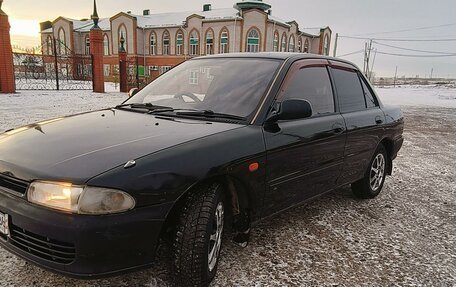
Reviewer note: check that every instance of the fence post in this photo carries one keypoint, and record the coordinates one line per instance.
(137, 72)
(7, 82)
(123, 73)
(56, 64)
(96, 50)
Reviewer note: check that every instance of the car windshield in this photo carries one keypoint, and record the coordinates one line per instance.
(230, 86)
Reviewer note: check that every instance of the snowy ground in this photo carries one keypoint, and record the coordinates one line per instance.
(405, 237)
(431, 96)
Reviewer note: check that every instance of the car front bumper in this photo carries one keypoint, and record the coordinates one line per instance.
(78, 245)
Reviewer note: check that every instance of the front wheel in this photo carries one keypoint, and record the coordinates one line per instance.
(198, 236)
(374, 178)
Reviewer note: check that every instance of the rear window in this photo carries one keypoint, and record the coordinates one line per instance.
(349, 91)
(370, 99)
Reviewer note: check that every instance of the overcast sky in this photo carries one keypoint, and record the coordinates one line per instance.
(346, 17)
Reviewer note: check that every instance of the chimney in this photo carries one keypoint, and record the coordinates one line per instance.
(146, 12)
(128, 12)
(207, 7)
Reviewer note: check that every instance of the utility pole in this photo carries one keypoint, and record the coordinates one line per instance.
(372, 67)
(365, 58)
(432, 72)
(395, 76)
(367, 55)
(368, 59)
(335, 45)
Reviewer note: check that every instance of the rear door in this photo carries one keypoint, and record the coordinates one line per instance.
(304, 156)
(363, 118)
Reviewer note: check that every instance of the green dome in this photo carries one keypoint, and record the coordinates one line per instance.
(252, 4)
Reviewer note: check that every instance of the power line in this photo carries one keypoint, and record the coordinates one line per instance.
(399, 40)
(416, 56)
(409, 30)
(352, 53)
(414, 50)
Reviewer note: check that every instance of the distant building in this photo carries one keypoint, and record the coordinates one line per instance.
(161, 41)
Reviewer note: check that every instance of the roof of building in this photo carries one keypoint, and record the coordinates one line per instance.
(85, 25)
(176, 19)
(179, 18)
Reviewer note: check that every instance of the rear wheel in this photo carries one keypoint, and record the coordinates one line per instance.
(374, 178)
(198, 237)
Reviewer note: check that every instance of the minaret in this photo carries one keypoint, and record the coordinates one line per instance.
(95, 17)
(122, 42)
(96, 50)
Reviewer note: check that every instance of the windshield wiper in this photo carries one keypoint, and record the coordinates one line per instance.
(210, 114)
(195, 113)
(147, 106)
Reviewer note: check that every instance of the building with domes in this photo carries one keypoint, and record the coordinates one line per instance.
(159, 41)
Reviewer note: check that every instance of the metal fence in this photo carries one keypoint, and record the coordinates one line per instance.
(53, 71)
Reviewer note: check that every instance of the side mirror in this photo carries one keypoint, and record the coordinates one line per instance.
(133, 92)
(294, 109)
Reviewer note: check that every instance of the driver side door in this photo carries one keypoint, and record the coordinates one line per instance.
(304, 156)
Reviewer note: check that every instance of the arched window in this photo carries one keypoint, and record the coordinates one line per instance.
(224, 42)
(326, 45)
(209, 42)
(276, 42)
(194, 43)
(291, 44)
(179, 43)
(87, 45)
(300, 45)
(284, 43)
(62, 42)
(165, 43)
(49, 46)
(123, 37)
(306, 46)
(106, 45)
(153, 43)
(253, 41)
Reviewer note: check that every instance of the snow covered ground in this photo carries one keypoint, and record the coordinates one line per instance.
(404, 237)
(27, 107)
(430, 96)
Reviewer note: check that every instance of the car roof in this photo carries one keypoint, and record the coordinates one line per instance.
(277, 56)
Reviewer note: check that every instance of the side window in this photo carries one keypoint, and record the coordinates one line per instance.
(370, 99)
(312, 84)
(349, 91)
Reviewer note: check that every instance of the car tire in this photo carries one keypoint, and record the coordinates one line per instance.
(372, 184)
(198, 237)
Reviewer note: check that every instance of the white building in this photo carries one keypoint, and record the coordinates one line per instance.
(161, 41)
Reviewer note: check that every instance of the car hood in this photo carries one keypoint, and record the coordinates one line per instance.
(78, 147)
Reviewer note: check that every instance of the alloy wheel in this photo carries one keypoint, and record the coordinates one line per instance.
(215, 240)
(377, 172)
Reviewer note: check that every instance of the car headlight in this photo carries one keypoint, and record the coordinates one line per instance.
(79, 199)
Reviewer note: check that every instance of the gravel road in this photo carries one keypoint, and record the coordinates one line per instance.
(404, 237)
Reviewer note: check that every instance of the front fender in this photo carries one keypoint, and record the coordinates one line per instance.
(166, 175)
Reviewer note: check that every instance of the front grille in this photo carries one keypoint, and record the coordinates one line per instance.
(11, 184)
(41, 246)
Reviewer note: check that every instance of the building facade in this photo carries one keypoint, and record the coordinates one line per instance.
(157, 42)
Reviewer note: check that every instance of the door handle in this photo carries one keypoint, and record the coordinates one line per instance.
(338, 128)
(378, 120)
